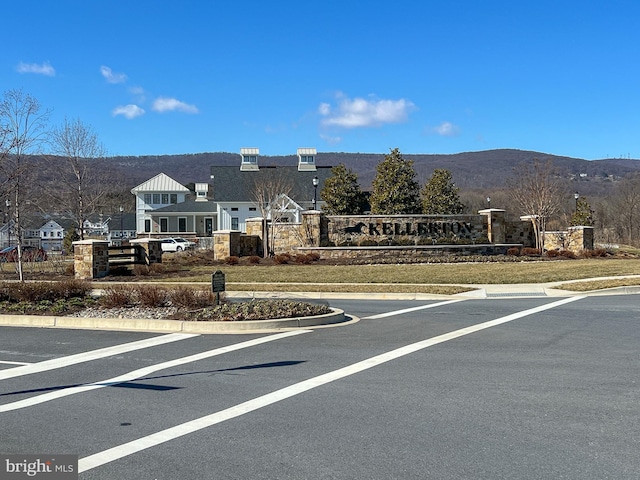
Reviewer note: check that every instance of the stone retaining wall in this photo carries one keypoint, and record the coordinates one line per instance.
(396, 233)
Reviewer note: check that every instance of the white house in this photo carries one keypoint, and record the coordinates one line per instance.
(164, 207)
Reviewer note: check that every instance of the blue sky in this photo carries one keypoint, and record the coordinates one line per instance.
(158, 77)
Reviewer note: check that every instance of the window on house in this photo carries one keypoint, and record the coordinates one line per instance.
(173, 198)
(59, 234)
(147, 225)
(235, 223)
(234, 209)
(252, 209)
(182, 224)
(147, 198)
(165, 199)
(164, 224)
(250, 159)
(156, 199)
(306, 159)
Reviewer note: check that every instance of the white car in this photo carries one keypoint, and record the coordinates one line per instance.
(176, 244)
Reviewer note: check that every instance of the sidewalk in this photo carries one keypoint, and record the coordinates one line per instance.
(478, 291)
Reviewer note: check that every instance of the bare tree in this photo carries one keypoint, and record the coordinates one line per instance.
(537, 190)
(24, 131)
(626, 204)
(80, 188)
(270, 190)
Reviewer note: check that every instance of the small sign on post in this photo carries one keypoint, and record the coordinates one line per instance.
(217, 284)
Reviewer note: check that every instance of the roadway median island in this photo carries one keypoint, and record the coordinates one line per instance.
(336, 316)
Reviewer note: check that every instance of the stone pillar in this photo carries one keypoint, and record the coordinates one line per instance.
(580, 238)
(226, 243)
(90, 259)
(152, 249)
(496, 228)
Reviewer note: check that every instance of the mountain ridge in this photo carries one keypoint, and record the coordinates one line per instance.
(479, 170)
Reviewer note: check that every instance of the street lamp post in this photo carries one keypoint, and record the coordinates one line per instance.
(489, 201)
(315, 190)
(576, 196)
(121, 226)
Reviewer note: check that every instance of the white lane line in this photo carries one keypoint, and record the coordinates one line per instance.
(92, 355)
(6, 362)
(412, 309)
(155, 439)
(135, 374)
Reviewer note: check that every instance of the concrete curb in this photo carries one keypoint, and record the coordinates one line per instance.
(336, 317)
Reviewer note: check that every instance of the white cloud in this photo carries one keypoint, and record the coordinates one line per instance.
(112, 77)
(324, 109)
(128, 111)
(43, 69)
(163, 104)
(359, 112)
(447, 129)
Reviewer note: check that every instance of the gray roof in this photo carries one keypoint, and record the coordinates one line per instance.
(230, 184)
(190, 206)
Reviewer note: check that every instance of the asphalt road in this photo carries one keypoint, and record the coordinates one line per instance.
(533, 388)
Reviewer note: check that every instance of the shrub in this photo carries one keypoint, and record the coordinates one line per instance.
(314, 256)
(530, 252)
(115, 296)
(44, 291)
(552, 253)
(72, 288)
(254, 259)
(151, 295)
(567, 254)
(513, 252)
(191, 297)
(232, 260)
(282, 259)
(597, 252)
(304, 259)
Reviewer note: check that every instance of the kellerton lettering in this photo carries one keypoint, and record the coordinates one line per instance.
(421, 229)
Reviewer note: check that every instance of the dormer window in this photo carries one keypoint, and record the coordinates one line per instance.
(306, 159)
(249, 159)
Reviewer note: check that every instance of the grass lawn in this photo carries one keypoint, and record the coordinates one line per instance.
(435, 278)
(426, 278)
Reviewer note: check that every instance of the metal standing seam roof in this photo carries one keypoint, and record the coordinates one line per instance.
(160, 183)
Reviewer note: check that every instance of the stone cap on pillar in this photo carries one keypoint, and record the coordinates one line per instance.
(89, 241)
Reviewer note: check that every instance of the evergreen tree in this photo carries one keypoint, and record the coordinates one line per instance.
(440, 195)
(583, 214)
(395, 190)
(341, 193)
